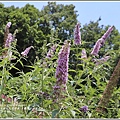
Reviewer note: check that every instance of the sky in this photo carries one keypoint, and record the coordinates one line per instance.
(109, 11)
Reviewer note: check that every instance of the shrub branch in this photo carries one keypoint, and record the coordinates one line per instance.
(109, 89)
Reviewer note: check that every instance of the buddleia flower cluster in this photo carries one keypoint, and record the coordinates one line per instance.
(62, 70)
(8, 39)
(26, 51)
(51, 51)
(77, 35)
(101, 41)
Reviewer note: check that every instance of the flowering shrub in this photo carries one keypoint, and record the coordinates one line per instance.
(58, 87)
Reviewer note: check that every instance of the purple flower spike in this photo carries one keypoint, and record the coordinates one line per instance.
(77, 35)
(8, 25)
(62, 68)
(106, 35)
(25, 53)
(101, 41)
(62, 71)
(51, 51)
(97, 47)
(84, 109)
(9, 40)
(83, 54)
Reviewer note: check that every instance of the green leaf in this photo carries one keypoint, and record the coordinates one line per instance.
(54, 113)
(20, 62)
(71, 70)
(73, 112)
(15, 68)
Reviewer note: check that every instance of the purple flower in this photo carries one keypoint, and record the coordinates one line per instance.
(51, 51)
(62, 71)
(103, 59)
(56, 87)
(106, 35)
(49, 55)
(53, 48)
(83, 54)
(8, 25)
(84, 109)
(101, 41)
(96, 47)
(77, 35)
(25, 53)
(9, 40)
(62, 68)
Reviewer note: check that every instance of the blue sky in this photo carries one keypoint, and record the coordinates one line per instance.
(108, 11)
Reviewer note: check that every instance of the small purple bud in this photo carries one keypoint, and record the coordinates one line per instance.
(77, 35)
(8, 25)
(51, 51)
(48, 55)
(105, 58)
(56, 87)
(25, 53)
(53, 48)
(102, 60)
(84, 109)
(83, 54)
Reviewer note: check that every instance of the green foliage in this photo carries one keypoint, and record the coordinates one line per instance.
(30, 94)
(35, 26)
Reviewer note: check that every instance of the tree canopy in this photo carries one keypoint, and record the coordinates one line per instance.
(34, 26)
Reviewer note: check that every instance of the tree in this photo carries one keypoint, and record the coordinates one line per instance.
(4, 11)
(35, 26)
(62, 18)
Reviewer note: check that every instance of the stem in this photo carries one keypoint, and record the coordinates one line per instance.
(109, 89)
(42, 84)
(42, 88)
(2, 81)
(77, 58)
(69, 95)
(77, 47)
